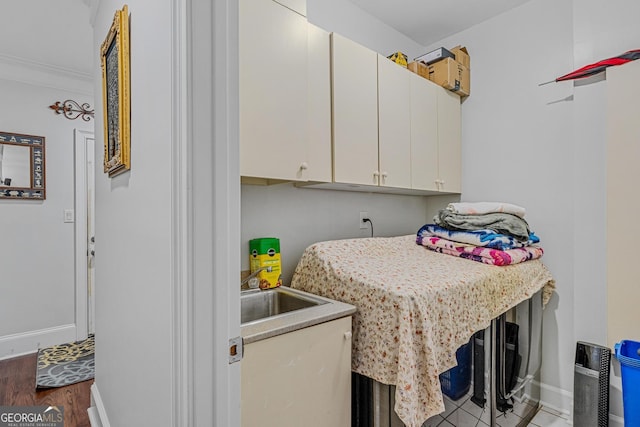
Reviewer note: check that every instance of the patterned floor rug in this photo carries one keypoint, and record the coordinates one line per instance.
(65, 364)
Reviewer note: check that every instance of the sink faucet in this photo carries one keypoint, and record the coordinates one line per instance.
(254, 274)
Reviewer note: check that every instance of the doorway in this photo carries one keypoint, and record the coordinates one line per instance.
(84, 167)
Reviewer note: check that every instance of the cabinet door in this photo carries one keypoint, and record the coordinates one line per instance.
(394, 124)
(319, 135)
(449, 147)
(355, 112)
(424, 134)
(273, 90)
(302, 378)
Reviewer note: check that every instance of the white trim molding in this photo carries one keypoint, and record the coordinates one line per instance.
(557, 399)
(561, 401)
(615, 421)
(213, 209)
(80, 140)
(93, 6)
(29, 342)
(181, 254)
(35, 73)
(97, 412)
(226, 208)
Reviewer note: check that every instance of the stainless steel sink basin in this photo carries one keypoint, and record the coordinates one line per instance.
(260, 304)
(272, 312)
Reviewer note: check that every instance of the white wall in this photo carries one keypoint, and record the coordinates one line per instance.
(133, 231)
(544, 148)
(601, 30)
(37, 307)
(518, 147)
(302, 216)
(57, 34)
(349, 20)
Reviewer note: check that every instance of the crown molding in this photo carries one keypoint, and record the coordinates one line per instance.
(39, 74)
(93, 6)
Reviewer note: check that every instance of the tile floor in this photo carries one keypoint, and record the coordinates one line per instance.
(464, 413)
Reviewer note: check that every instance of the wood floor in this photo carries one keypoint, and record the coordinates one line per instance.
(17, 388)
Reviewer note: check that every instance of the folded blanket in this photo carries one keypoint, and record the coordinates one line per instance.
(479, 208)
(499, 222)
(484, 255)
(484, 238)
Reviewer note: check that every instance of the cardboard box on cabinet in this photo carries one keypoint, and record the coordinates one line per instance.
(451, 75)
(419, 68)
(462, 56)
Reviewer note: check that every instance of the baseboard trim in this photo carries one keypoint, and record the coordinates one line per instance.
(29, 342)
(556, 399)
(615, 421)
(97, 412)
(94, 417)
(561, 401)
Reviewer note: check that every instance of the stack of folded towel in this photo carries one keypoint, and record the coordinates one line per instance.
(490, 232)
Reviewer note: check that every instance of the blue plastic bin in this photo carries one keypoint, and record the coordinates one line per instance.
(627, 353)
(456, 382)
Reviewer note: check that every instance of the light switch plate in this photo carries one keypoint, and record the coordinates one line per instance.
(69, 215)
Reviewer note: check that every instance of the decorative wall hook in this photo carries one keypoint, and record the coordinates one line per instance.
(72, 110)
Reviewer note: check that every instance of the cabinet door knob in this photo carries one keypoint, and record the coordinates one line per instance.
(304, 166)
(348, 335)
(376, 174)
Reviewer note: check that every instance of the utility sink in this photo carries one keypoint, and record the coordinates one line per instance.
(271, 312)
(259, 304)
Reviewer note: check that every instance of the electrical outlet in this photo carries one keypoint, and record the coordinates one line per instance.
(363, 215)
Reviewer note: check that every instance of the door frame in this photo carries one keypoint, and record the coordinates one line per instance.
(205, 197)
(80, 140)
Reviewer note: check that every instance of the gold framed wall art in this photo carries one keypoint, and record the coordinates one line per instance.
(116, 100)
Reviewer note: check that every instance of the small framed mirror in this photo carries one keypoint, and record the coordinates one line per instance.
(22, 166)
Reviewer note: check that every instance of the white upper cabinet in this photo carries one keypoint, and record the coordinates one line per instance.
(355, 112)
(424, 134)
(394, 124)
(320, 108)
(449, 146)
(391, 128)
(435, 137)
(273, 91)
(319, 113)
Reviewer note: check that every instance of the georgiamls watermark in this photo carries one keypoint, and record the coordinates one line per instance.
(31, 416)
